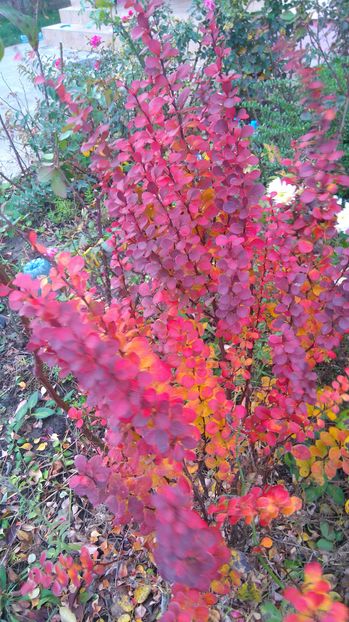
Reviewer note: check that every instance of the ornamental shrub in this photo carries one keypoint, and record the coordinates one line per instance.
(200, 373)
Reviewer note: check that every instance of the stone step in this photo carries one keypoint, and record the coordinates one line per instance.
(75, 36)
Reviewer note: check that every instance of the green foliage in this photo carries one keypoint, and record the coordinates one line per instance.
(63, 211)
(26, 24)
(336, 79)
(251, 35)
(10, 32)
(275, 105)
(270, 613)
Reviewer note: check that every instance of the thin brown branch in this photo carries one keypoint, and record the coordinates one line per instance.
(13, 146)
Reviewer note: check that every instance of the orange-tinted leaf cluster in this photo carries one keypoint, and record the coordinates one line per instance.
(313, 601)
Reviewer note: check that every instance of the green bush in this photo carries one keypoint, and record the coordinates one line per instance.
(280, 117)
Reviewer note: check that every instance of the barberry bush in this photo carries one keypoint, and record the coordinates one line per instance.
(199, 364)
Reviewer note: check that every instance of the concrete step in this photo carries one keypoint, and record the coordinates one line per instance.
(75, 36)
(75, 15)
(180, 8)
(79, 3)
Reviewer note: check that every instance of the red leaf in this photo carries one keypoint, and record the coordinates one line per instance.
(308, 196)
(305, 246)
(156, 105)
(301, 452)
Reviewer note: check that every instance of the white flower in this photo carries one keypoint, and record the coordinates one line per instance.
(284, 192)
(342, 225)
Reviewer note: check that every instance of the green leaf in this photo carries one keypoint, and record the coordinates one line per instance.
(3, 577)
(23, 410)
(84, 597)
(2, 49)
(65, 135)
(312, 493)
(26, 24)
(48, 157)
(58, 184)
(44, 173)
(271, 613)
(326, 531)
(47, 597)
(288, 17)
(19, 417)
(33, 400)
(336, 493)
(43, 413)
(324, 545)
(104, 4)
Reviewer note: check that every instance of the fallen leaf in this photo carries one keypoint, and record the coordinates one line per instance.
(125, 603)
(23, 536)
(123, 572)
(36, 591)
(124, 618)
(267, 542)
(141, 593)
(27, 446)
(140, 611)
(67, 615)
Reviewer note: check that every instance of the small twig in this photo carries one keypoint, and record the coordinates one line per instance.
(61, 56)
(197, 495)
(345, 112)
(13, 183)
(43, 76)
(15, 150)
(106, 280)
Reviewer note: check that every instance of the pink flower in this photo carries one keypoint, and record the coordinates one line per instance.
(210, 5)
(97, 65)
(95, 41)
(58, 63)
(130, 13)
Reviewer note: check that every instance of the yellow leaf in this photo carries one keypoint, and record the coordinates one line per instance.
(125, 603)
(23, 536)
(304, 471)
(124, 618)
(346, 507)
(141, 593)
(42, 446)
(27, 446)
(331, 415)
